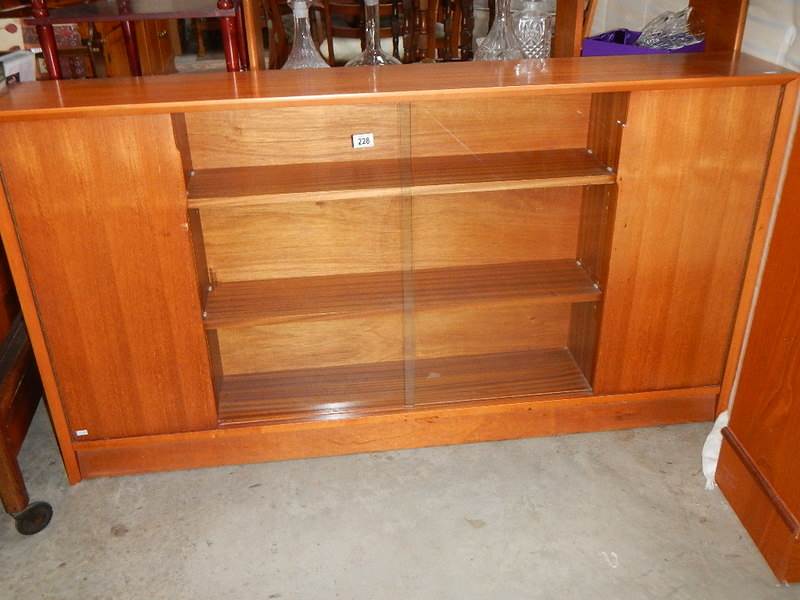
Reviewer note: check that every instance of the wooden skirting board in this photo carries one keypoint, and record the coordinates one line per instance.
(406, 429)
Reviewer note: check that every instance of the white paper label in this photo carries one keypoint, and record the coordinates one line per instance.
(82, 432)
(363, 140)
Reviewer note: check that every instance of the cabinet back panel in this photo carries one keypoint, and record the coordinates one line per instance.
(303, 239)
(486, 125)
(691, 168)
(312, 344)
(490, 327)
(495, 227)
(247, 138)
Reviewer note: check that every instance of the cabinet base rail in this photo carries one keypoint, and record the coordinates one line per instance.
(437, 426)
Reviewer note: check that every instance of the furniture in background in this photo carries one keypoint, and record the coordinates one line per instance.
(522, 252)
(344, 29)
(723, 22)
(155, 48)
(20, 391)
(759, 470)
(128, 12)
(277, 13)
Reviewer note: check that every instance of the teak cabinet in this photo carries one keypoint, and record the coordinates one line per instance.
(212, 274)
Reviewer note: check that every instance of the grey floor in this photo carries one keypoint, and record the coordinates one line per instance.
(610, 515)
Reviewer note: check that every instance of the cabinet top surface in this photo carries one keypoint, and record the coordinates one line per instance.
(221, 91)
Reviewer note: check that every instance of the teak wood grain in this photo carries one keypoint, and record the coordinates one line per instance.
(292, 136)
(722, 22)
(770, 193)
(765, 417)
(432, 426)
(336, 391)
(685, 215)
(456, 127)
(418, 82)
(27, 302)
(490, 327)
(303, 239)
(105, 241)
(667, 238)
(332, 296)
(454, 230)
(253, 186)
(280, 346)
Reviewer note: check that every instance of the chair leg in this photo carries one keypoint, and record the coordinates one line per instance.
(467, 25)
(12, 486)
(241, 29)
(131, 48)
(229, 37)
(199, 28)
(47, 40)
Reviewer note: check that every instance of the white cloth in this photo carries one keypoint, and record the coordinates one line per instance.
(711, 450)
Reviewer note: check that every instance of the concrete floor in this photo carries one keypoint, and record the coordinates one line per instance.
(610, 515)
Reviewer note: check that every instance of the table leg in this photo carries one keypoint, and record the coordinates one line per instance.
(47, 40)
(132, 47)
(229, 37)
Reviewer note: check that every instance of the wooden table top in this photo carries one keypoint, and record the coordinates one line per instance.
(401, 83)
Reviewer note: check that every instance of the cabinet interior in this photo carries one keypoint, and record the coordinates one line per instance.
(460, 259)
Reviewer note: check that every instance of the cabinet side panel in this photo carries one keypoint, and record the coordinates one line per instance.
(100, 214)
(691, 169)
(766, 412)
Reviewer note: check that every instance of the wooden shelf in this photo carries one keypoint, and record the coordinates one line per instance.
(497, 376)
(248, 186)
(336, 391)
(322, 391)
(276, 300)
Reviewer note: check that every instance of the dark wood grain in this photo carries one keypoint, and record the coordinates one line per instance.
(96, 11)
(20, 391)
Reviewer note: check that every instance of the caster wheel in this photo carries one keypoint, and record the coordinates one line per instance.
(34, 518)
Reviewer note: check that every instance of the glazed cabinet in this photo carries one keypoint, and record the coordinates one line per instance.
(249, 267)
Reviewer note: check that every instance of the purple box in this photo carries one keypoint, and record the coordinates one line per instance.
(620, 41)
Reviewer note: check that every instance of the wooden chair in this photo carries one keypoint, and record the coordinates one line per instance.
(278, 43)
(439, 28)
(344, 29)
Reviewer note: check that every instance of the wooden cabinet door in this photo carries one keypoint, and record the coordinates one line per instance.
(691, 168)
(99, 207)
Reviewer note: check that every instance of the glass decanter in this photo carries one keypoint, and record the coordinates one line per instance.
(373, 54)
(304, 54)
(534, 27)
(501, 43)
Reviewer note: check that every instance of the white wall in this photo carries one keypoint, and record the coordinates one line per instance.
(771, 32)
